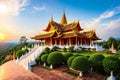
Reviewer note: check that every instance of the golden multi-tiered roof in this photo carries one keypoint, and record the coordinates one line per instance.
(65, 30)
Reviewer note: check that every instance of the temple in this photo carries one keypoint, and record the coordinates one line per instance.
(65, 33)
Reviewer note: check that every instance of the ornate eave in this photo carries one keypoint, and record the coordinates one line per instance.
(91, 34)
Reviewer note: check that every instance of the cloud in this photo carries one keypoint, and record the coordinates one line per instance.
(111, 28)
(107, 28)
(41, 8)
(14, 7)
(107, 14)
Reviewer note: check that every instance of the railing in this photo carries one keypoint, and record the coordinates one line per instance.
(29, 59)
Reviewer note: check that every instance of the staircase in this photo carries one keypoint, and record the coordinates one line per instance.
(28, 59)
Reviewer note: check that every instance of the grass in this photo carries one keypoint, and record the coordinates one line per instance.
(89, 53)
(68, 71)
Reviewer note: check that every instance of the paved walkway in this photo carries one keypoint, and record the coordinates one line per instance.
(58, 74)
(51, 75)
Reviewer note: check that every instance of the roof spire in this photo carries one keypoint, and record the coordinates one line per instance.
(63, 20)
(112, 49)
(52, 18)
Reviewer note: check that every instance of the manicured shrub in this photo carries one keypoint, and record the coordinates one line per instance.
(55, 48)
(93, 49)
(47, 50)
(81, 63)
(44, 58)
(66, 56)
(38, 60)
(25, 50)
(71, 49)
(83, 49)
(64, 49)
(107, 51)
(111, 63)
(87, 56)
(55, 58)
(69, 61)
(29, 45)
(96, 61)
(19, 53)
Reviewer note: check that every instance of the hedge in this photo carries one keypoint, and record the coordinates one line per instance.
(81, 63)
(71, 48)
(44, 58)
(69, 61)
(55, 58)
(19, 53)
(66, 56)
(111, 63)
(96, 61)
(47, 50)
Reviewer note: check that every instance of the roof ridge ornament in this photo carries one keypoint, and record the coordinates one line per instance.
(64, 19)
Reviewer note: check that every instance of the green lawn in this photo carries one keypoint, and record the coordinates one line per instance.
(86, 53)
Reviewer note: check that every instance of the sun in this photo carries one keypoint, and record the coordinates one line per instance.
(2, 37)
(3, 9)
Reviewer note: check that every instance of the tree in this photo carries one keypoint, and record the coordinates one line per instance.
(96, 61)
(55, 48)
(29, 45)
(38, 60)
(71, 49)
(47, 50)
(19, 53)
(23, 40)
(25, 51)
(110, 41)
(44, 58)
(55, 58)
(64, 49)
(81, 63)
(66, 56)
(69, 61)
(105, 45)
(111, 63)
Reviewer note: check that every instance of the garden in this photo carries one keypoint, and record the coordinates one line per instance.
(80, 62)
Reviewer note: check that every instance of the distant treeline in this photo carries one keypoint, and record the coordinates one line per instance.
(107, 44)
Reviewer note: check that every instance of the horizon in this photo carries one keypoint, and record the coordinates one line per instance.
(29, 17)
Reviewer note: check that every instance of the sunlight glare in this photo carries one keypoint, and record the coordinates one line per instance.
(3, 9)
(1, 36)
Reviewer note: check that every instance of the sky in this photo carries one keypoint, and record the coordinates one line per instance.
(29, 17)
